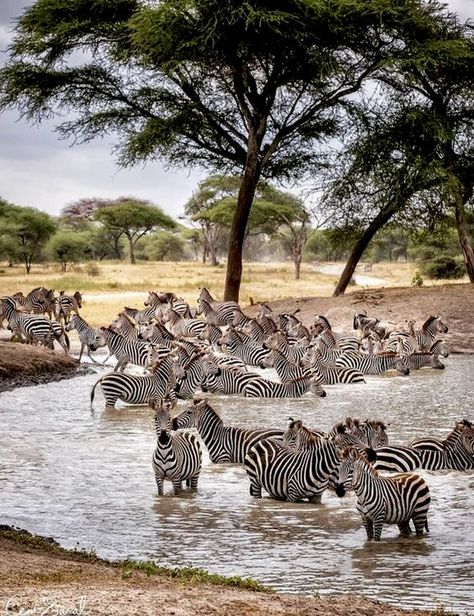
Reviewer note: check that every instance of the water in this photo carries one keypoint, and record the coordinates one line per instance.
(86, 480)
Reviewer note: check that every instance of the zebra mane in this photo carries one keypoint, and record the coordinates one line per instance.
(340, 427)
(465, 423)
(324, 321)
(428, 321)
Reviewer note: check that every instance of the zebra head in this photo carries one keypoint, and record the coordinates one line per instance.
(162, 419)
(348, 457)
(315, 388)
(72, 324)
(402, 364)
(190, 417)
(467, 435)
(439, 348)
(78, 297)
(99, 340)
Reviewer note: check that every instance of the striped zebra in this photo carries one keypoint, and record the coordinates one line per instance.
(439, 348)
(181, 327)
(136, 389)
(365, 326)
(331, 374)
(374, 364)
(156, 334)
(424, 360)
(66, 304)
(267, 323)
(263, 388)
(193, 377)
(211, 333)
(227, 361)
(288, 474)
(321, 326)
(36, 328)
(226, 380)
(455, 452)
(226, 310)
(38, 301)
(255, 331)
(224, 443)
(244, 348)
(372, 442)
(279, 341)
(177, 457)
(285, 369)
(428, 332)
(89, 337)
(129, 351)
(123, 324)
(397, 499)
(211, 316)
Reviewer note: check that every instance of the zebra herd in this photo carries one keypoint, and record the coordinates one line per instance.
(186, 352)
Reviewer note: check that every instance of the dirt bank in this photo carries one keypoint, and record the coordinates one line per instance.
(39, 577)
(455, 303)
(22, 365)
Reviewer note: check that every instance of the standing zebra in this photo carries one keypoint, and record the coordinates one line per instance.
(66, 304)
(428, 332)
(226, 310)
(177, 457)
(136, 389)
(394, 500)
(374, 364)
(224, 443)
(90, 338)
(455, 452)
(129, 351)
(291, 474)
(244, 348)
(183, 328)
(330, 374)
(219, 379)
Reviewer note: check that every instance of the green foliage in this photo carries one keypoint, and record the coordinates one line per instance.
(165, 246)
(417, 280)
(23, 232)
(70, 247)
(444, 267)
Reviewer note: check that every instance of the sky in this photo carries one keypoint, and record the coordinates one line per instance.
(39, 170)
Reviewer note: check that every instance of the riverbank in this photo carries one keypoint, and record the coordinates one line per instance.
(37, 574)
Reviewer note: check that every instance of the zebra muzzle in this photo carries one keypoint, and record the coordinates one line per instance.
(340, 490)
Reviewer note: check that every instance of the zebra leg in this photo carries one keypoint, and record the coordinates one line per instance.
(82, 350)
(369, 527)
(176, 486)
(421, 523)
(404, 528)
(159, 485)
(194, 482)
(316, 498)
(255, 490)
(107, 358)
(89, 355)
(377, 528)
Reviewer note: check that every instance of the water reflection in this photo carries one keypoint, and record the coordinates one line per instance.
(85, 478)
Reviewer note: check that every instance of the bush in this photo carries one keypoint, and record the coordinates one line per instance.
(92, 269)
(444, 266)
(417, 280)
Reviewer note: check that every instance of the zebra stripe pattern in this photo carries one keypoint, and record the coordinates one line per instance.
(90, 338)
(455, 452)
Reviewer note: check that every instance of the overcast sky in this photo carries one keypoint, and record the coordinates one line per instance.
(38, 170)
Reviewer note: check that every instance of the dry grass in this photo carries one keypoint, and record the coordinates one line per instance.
(118, 284)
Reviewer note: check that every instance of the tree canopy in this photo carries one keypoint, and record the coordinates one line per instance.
(246, 87)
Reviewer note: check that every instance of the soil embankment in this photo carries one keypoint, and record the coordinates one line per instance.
(39, 577)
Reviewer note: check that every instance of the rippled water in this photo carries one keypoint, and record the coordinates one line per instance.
(86, 480)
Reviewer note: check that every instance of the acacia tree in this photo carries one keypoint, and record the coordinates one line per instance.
(133, 218)
(247, 87)
(27, 230)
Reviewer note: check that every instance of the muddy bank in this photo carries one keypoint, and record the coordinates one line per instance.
(22, 365)
(455, 303)
(37, 574)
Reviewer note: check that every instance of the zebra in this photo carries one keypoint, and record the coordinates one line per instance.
(263, 388)
(90, 338)
(392, 500)
(124, 325)
(366, 325)
(225, 310)
(289, 474)
(439, 348)
(244, 348)
(374, 364)
(427, 334)
(66, 304)
(157, 334)
(279, 341)
(129, 351)
(424, 360)
(330, 374)
(342, 341)
(38, 301)
(285, 368)
(183, 328)
(224, 443)
(211, 333)
(226, 380)
(177, 457)
(455, 452)
(255, 331)
(36, 328)
(211, 316)
(227, 361)
(192, 378)
(136, 389)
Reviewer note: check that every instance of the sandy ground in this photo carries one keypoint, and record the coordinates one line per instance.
(49, 580)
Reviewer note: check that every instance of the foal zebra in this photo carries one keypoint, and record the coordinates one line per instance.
(455, 452)
(90, 338)
(394, 500)
(177, 457)
(291, 474)
(224, 443)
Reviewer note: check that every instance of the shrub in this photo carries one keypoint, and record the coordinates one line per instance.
(417, 280)
(92, 269)
(444, 266)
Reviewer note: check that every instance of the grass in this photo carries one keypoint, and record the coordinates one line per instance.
(118, 284)
(188, 575)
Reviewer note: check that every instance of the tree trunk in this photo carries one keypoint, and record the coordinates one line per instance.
(132, 251)
(297, 262)
(381, 219)
(212, 253)
(239, 224)
(27, 264)
(463, 235)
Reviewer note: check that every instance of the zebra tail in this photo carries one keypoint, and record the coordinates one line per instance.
(426, 526)
(68, 342)
(93, 389)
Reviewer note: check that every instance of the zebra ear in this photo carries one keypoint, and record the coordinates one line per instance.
(370, 454)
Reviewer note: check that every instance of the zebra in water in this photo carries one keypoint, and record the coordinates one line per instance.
(392, 500)
(130, 351)
(374, 364)
(136, 389)
(321, 326)
(224, 443)
(424, 360)
(292, 474)
(331, 374)
(211, 316)
(263, 388)
(66, 304)
(89, 337)
(227, 361)
(365, 325)
(177, 457)
(193, 377)
(220, 379)
(244, 348)
(428, 332)
(455, 452)
(279, 341)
